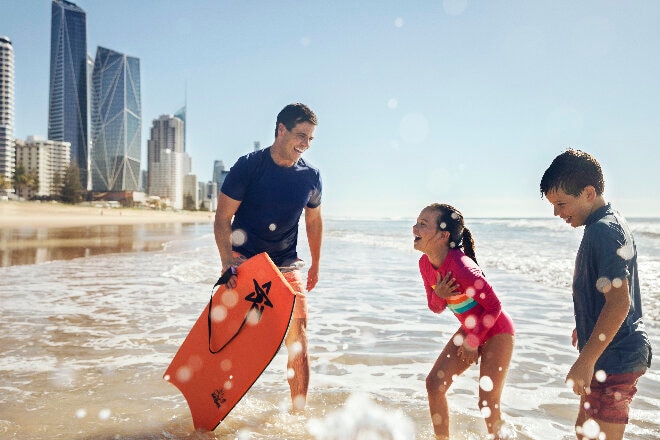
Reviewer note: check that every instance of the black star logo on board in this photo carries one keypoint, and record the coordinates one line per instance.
(218, 397)
(259, 298)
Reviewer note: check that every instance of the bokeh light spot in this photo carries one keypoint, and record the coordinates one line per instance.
(486, 383)
(238, 237)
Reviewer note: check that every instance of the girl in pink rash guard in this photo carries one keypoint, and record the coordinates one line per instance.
(453, 280)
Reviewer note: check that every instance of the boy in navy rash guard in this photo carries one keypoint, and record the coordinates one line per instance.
(259, 206)
(609, 332)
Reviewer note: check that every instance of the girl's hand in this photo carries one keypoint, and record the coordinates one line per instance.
(468, 355)
(446, 287)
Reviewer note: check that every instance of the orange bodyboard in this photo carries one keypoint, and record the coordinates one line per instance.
(247, 326)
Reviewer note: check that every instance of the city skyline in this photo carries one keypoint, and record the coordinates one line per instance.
(453, 101)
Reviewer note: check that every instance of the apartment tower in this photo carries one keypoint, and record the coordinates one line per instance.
(7, 150)
(116, 122)
(167, 163)
(67, 108)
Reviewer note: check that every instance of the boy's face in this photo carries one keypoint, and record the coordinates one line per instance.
(574, 210)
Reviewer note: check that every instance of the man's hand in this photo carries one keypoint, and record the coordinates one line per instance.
(312, 277)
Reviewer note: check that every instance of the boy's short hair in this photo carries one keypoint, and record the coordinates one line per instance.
(572, 171)
(293, 114)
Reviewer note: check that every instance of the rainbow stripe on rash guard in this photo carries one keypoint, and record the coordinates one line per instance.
(460, 303)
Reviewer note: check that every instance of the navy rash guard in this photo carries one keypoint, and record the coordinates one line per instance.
(272, 199)
(607, 253)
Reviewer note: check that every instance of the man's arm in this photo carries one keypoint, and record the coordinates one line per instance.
(314, 226)
(227, 207)
(615, 310)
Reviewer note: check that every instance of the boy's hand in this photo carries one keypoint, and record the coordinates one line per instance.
(446, 287)
(579, 377)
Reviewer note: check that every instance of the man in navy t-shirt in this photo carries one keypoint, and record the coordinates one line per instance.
(259, 207)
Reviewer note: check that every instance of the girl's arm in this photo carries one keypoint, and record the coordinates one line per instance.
(482, 292)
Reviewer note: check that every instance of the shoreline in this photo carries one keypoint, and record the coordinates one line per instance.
(56, 215)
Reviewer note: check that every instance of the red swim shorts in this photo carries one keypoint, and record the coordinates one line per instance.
(609, 401)
(294, 278)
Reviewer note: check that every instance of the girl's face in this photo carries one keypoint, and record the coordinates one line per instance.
(427, 235)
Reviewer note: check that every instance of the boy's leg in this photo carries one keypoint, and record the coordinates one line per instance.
(495, 358)
(612, 431)
(607, 405)
(438, 382)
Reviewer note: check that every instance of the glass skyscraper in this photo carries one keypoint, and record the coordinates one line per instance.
(7, 149)
(67, 110)
(116, 122)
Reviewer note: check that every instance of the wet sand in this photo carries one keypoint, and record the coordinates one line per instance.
(57, 215)
(33, 233)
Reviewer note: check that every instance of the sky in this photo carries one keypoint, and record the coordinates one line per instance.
(419, 101)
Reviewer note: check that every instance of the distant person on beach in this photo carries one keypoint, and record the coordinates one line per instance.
(259, 207)
(453, 280)
(614, 348)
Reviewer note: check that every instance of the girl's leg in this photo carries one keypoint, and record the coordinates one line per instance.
(438, 382)
(495, 357)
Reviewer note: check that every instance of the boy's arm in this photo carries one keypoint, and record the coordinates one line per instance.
(615, 310)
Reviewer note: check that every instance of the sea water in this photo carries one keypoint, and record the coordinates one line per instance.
(86, 339)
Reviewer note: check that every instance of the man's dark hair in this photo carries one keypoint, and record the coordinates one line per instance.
(572, 171)
(294, 114)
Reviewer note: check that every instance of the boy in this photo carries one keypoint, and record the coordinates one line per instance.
(614, 348)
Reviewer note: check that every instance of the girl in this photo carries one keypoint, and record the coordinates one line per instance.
(453, 280)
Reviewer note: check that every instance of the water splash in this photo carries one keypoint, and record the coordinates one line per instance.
(360, 418)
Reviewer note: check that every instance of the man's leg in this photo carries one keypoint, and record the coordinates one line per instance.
(298, 362)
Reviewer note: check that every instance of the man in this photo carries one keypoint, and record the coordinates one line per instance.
(259, 206)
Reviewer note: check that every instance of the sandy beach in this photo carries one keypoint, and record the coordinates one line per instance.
(57, 215)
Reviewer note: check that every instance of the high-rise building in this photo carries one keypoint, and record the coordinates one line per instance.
(166, 161)
(219, 173)
(67, 109)
(7, 149)
(47, 161)
(181, 114)
(116, 122)
(190, 192)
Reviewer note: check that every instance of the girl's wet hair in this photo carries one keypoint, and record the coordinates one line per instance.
(450, 219)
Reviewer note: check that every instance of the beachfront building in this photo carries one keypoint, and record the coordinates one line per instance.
(190, 193)
(7, 150)
(181, 114)
(208, 195)
(219, 173)
(167, 162)
(47, 161)
(68, 105)
(116, 122)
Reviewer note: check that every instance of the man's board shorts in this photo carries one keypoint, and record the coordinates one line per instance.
(609, 401)
(293, 276)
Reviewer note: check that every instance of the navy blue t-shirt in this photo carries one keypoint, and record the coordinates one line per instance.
(607, 255)
(272, 200)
